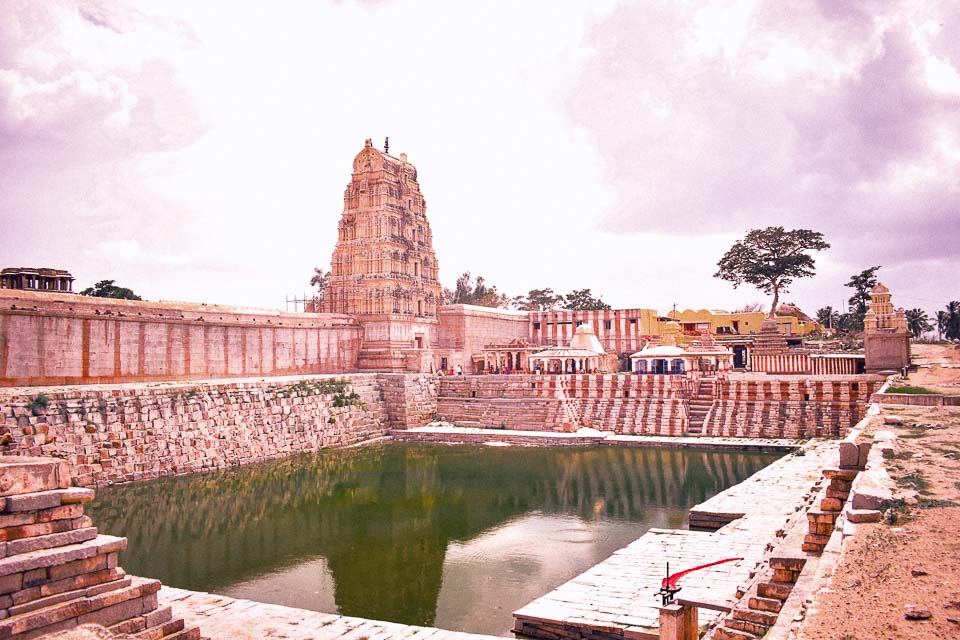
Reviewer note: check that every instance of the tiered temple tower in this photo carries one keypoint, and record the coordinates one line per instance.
(384, 270)
(886, 336)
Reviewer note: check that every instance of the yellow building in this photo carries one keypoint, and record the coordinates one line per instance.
(725, 323)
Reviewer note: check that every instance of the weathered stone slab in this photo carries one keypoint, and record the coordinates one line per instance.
(25, 474)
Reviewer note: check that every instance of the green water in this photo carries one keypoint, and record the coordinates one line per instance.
(450, 536)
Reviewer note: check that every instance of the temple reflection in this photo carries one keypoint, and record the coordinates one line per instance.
(383, 517)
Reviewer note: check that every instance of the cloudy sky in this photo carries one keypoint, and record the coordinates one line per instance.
(199, 150)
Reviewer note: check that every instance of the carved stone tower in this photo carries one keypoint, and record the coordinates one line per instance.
(384, 270)
(886, 337)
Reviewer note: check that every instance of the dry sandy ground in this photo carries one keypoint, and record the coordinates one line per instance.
(938, 368)
(912, 561)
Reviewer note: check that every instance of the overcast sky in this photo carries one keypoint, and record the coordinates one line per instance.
(199, 150)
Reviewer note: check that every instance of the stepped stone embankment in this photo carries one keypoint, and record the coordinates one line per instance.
(57, 572)
(653, 405)
(121, 433)
(737, 405)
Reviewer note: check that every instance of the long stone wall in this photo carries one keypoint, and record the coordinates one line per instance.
(48, 339)
(120, 433)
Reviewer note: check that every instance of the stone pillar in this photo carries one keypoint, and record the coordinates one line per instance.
(679, 622)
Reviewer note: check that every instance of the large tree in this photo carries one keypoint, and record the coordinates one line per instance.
(540, 300)
(918, 322)
(859, 302)
(107, 289)
(583, 300)
(771, 259)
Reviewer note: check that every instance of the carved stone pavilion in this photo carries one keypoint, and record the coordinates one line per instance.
(384, 270)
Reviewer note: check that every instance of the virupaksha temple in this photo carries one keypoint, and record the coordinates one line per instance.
(99, 391)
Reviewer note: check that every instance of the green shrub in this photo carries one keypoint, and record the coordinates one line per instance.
(40, 401)
(909, 389)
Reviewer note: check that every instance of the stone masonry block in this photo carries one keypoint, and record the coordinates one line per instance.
(776, 590)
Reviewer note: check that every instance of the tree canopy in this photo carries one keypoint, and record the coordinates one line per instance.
(320, 280)
(583, 300)
(107, 289)
(948, 321)
(859, 302)
(475, 291)
(540, 300)
(771, 259)
(918, 322)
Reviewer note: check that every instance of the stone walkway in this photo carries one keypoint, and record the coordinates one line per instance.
(617, 598)
(586, 437)
(223, 618)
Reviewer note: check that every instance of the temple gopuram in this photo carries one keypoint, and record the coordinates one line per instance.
(384, 270)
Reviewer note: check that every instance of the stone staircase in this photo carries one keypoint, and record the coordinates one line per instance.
(761, 606)
(58, 572)
(700, 404)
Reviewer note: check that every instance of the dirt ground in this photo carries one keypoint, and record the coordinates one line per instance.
(912, 560)
(938, 368)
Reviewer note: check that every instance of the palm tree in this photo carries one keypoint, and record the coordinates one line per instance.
(942, 321)
(918, 322)
(952, 328)
(827, 317)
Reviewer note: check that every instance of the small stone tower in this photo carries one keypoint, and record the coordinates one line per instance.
(384, 270)
(886, 336)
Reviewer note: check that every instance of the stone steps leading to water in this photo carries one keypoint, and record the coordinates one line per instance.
(57, 572)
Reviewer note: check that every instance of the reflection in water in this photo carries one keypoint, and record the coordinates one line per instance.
(421, 534)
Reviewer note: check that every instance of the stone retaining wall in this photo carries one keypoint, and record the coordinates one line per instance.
(137, 432)
(651, 405)
(743, 405)
(789, 406)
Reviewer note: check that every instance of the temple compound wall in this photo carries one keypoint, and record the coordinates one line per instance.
(48, 338)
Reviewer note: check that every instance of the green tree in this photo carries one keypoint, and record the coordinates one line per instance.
(951, 329)
(859, 302)
(540, 300)
(771, 259)
(107, 289)
(475, 291)
(320, 280)
(828, 317)
(943, 320)
(918, 322)
(583, 300)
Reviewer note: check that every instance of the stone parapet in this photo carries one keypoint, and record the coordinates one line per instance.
(57, 572)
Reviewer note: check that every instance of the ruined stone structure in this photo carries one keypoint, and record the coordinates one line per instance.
(383, 269)
(57, 572)
(36, 279)
(886, 338)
